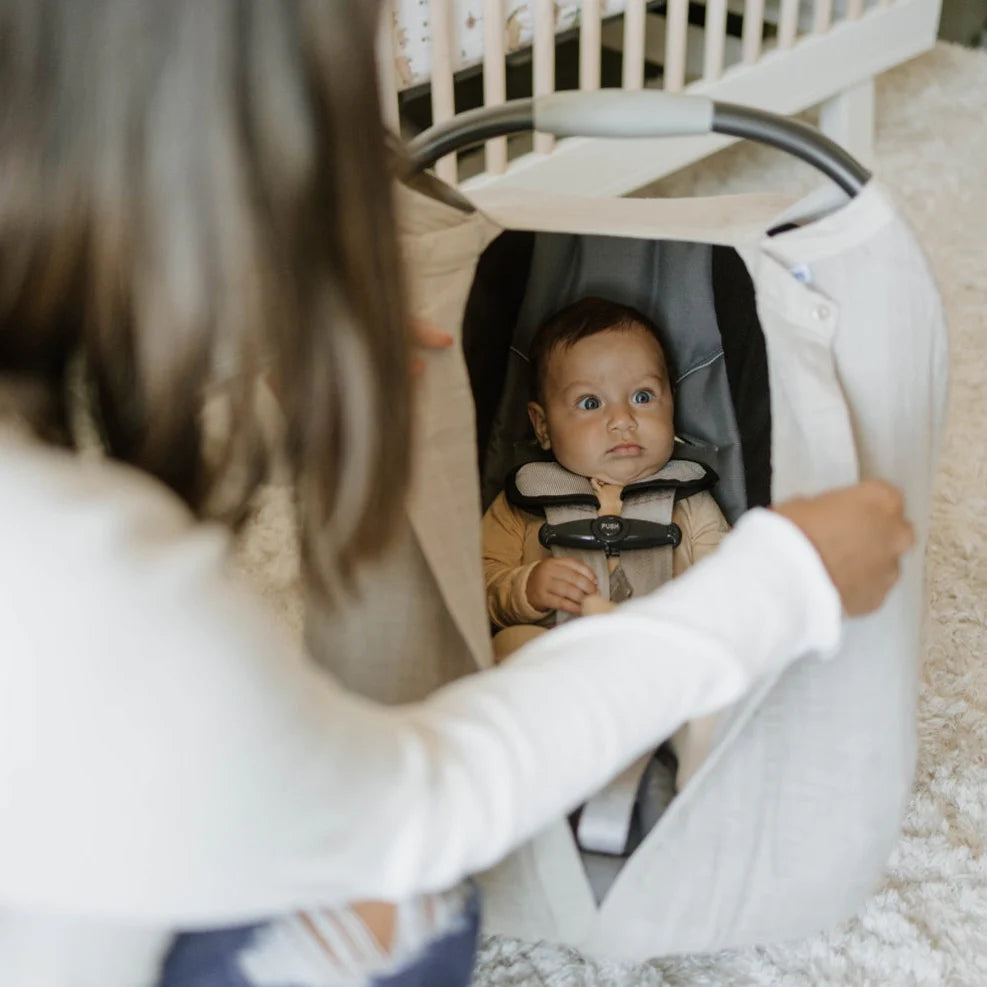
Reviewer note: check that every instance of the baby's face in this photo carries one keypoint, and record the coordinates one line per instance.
(607, 409)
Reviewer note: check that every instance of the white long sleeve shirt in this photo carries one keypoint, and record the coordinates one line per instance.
(167, 760)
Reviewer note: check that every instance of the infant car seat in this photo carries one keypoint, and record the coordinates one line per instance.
(810, 352)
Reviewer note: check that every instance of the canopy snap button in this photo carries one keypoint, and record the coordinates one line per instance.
(820, 312)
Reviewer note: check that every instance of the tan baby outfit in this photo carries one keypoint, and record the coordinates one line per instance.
(511, 550)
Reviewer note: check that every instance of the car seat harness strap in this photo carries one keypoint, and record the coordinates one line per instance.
(610, 544)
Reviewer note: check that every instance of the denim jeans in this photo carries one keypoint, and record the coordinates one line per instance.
(210, 958)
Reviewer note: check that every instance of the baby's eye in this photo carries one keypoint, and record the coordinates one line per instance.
(588, 403)
(642, 397)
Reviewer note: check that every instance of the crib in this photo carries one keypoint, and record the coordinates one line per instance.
(784, 56)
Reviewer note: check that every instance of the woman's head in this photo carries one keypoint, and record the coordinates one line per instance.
(193, 192)
(602, 392)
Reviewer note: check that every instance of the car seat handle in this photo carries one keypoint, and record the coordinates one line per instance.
(641, 113)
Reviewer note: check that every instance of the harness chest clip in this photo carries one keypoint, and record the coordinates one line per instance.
(610, 533)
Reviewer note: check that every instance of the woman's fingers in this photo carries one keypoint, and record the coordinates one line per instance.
(429, 336)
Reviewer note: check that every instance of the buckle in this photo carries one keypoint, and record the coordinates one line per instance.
(610, 533)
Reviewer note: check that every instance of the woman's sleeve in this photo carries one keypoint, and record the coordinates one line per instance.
(166, 758)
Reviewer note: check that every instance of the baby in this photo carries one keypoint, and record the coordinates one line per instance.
(603, 407)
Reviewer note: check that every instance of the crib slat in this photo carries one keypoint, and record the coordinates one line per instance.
(823, 16)
(634, 37)
(544, 63)
(788, 23)
(854, 10)
(716, 29)
(387, 77)
(590, 46)
(443, 93)
(753, 30)
(494, 78)
(677, 23)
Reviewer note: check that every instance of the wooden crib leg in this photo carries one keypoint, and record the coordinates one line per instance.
(848, 117)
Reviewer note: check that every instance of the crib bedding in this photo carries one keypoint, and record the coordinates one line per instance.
(412, 30)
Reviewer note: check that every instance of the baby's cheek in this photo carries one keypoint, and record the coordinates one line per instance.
(567, 444)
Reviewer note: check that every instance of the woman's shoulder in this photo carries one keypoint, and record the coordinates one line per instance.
(145, 686)
(96, 553)
(79, 500)
(83, 535)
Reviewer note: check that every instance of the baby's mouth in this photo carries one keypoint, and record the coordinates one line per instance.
(626, 449)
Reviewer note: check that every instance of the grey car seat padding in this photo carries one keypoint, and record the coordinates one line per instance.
(673, 284)
(492, 307)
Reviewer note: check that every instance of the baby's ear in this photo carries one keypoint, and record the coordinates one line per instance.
(539, 422)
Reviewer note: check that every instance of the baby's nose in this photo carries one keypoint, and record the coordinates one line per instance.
(623, 417)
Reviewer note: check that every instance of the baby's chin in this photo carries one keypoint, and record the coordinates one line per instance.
(624, 472)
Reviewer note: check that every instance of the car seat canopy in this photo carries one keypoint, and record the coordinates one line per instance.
(805, 360)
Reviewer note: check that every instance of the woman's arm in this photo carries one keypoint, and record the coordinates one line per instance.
(165, 758)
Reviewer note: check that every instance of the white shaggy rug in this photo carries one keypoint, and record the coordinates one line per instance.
(928, 924)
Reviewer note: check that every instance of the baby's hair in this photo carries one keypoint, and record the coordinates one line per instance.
(586, 317)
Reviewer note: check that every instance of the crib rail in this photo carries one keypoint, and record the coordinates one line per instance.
(782, 55)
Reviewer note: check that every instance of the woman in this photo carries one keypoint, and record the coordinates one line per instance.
(196, 191)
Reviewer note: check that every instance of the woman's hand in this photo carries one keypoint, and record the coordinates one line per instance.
(560, 584)
(379, 918)
(860, 532)
(430, 337)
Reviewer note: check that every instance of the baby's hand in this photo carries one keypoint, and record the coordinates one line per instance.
(560, 584)
(594, 605)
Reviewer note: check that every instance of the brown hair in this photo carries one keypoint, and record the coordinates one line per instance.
(586, 317)
(194, 192)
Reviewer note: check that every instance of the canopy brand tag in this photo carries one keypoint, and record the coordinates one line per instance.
(801, 272)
